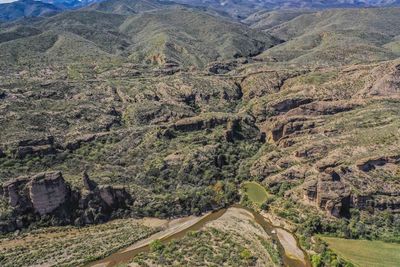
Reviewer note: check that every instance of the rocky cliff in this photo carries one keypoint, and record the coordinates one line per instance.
(47, 192)
(31, 198)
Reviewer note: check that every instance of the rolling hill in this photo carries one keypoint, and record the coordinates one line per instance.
(156, 37)
(129, 7)
(134, 109)
(243, 8)
(339, 36)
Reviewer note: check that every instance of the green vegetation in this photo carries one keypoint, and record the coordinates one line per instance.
(183, 113)
(276, 257)
(332, 37)
(255, 192)
(153, 38)
(365, 252)
(212, 247)
(234, 239)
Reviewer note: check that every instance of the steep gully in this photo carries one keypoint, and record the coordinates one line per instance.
(288, 245)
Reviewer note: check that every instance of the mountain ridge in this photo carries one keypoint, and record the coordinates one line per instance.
(124, 110)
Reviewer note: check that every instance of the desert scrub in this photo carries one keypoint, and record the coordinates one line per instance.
(210, 247)
(274, 253)
(70, 246)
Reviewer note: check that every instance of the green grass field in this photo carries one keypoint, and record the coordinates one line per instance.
(366, 253)
(255, 192)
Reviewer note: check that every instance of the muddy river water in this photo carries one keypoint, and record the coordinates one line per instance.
(287, 243)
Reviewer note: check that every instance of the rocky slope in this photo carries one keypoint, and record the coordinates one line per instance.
(322, 135)
(331, 37)
(169, 117)
(152, 38)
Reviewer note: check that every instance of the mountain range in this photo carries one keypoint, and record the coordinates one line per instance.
(238, 9)
(121, 120)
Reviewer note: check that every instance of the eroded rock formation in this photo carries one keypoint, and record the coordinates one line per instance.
(47, 191)
(41, 146)
(329, 193)
(30, 198)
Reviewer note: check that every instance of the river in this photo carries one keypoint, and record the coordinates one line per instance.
(292, 254)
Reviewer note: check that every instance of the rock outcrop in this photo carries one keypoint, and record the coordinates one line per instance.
(47, 192)
(288, 104)
(369, 164)
(30, 198)
(318, 108)
(41, 146)
(14, 192)
(201, 123)
(329, 193)
(289, 126)
(87, 182)
(114, 197)
(43, 192)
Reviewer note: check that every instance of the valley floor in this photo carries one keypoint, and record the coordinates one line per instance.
(73, 246)
(366, 252)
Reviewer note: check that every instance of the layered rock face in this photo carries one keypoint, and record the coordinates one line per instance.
(49, 194)
(47, 191)
(43, 146)
(43, 192)
(14, 192)
(329, 193)
(335, 140)
(112, 196)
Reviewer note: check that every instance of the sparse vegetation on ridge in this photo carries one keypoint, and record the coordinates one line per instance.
(170, 117)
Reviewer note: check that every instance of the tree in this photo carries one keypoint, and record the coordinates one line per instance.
(316, 260)
(156, 246)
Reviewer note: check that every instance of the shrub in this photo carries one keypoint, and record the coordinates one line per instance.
(156, 246)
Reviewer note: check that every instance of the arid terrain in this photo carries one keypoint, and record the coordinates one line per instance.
(118, 111)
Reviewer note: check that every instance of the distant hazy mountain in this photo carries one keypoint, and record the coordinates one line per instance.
(128, 7)
(70, 3)
(26, 8)
(245, 7)
(31, 8)
(235, 8)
